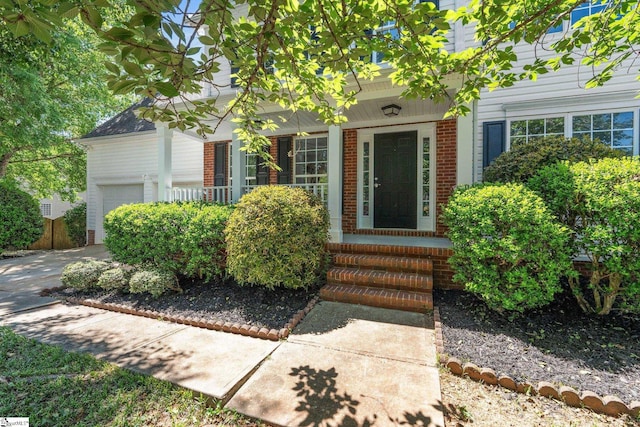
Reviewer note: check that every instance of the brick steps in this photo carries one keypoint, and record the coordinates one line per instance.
(380, 279)
(385, 263)
(376, 297)
(384, 276)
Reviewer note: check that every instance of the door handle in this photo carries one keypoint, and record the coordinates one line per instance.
(376, 185)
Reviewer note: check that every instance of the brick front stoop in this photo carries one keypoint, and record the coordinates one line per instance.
(380, 276)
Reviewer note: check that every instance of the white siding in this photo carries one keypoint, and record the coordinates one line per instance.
(556, 93)
(132, 159)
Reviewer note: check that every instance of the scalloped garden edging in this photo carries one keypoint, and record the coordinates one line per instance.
(200, 322)
(609, 405)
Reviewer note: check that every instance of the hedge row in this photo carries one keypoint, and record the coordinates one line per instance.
(513, 243)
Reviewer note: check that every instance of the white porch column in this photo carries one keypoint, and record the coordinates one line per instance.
(238, 168)
(465, 147)
(334, 175)
(165, 180)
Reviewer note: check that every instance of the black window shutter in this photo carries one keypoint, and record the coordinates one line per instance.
(284, 161)
(493, 141)
(219, 169)
(234, 79)
(262, 172)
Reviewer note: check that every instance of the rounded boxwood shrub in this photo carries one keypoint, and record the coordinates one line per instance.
(154, 281)
(116, 278)
(183, 238)
(83, 275)
(21, 222)
(276, 237)
(507, 247)
(524, 160)
(599, 201)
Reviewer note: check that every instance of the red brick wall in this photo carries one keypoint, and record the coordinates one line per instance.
(273, 150)
(91, 237)
(209, 162)
(209, 153)
(446, 167)
(350, 180)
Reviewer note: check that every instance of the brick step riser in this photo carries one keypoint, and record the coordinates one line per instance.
(400, 251)
(383, 280)
(378, 263)
(373, 297)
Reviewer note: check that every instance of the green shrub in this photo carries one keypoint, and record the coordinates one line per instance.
(154, 281)
(599, 201)
(524, 160)
(21, 223)
(276, 237)
(204, 243)
(83, 275)
(76, 221)
(184, 238)
(116, 278)
(507, 247)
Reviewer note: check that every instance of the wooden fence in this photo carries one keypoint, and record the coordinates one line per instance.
(55, 236)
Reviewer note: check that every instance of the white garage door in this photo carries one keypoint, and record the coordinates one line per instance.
(117, 195)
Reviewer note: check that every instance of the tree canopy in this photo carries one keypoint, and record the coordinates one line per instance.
(313, 55)
(52, 90)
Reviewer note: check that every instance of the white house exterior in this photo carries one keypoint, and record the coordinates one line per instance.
(558, 104)
(384, 178)
(123, 164)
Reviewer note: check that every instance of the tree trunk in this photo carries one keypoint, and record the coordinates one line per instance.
(4, 163)
(577, 292)
(615, 279)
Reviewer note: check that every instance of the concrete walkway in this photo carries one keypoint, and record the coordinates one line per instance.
(343, 365)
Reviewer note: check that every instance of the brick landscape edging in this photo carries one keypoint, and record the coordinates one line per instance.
(609, 405)
(200, 322)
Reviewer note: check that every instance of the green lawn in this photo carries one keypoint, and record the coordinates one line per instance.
(54, 387)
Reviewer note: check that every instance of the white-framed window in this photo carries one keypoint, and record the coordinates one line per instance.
(588, 8)
(614, 129)
(528, 129)
(45, 209)
(251, 169)
(617, 129)
(310, 160)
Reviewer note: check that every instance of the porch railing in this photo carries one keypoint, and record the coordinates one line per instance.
(221, 194)
(319, 190)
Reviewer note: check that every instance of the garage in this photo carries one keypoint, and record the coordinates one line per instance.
(114, 196)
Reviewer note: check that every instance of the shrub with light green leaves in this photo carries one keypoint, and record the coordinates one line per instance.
(184, 238)
(276, 236)
(599, 201)
(116, 279)
(83, 275)
(21, 222)
(154, 281)
(524, 160)
(507, 247)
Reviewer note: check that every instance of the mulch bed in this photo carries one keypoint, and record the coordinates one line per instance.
(558, 344)
(219, 299)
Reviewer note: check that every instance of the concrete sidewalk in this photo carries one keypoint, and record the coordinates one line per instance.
(343, 365)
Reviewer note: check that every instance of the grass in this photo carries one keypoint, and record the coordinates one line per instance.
(54, 387)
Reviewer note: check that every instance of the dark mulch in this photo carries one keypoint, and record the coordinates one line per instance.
(218, 299)
(558, 344)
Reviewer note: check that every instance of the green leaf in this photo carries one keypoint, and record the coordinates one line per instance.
(167, 89)
(21, 28)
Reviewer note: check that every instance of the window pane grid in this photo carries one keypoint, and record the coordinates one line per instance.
(311, 160)
(613, 129)
(365, 178)
(522, 131)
